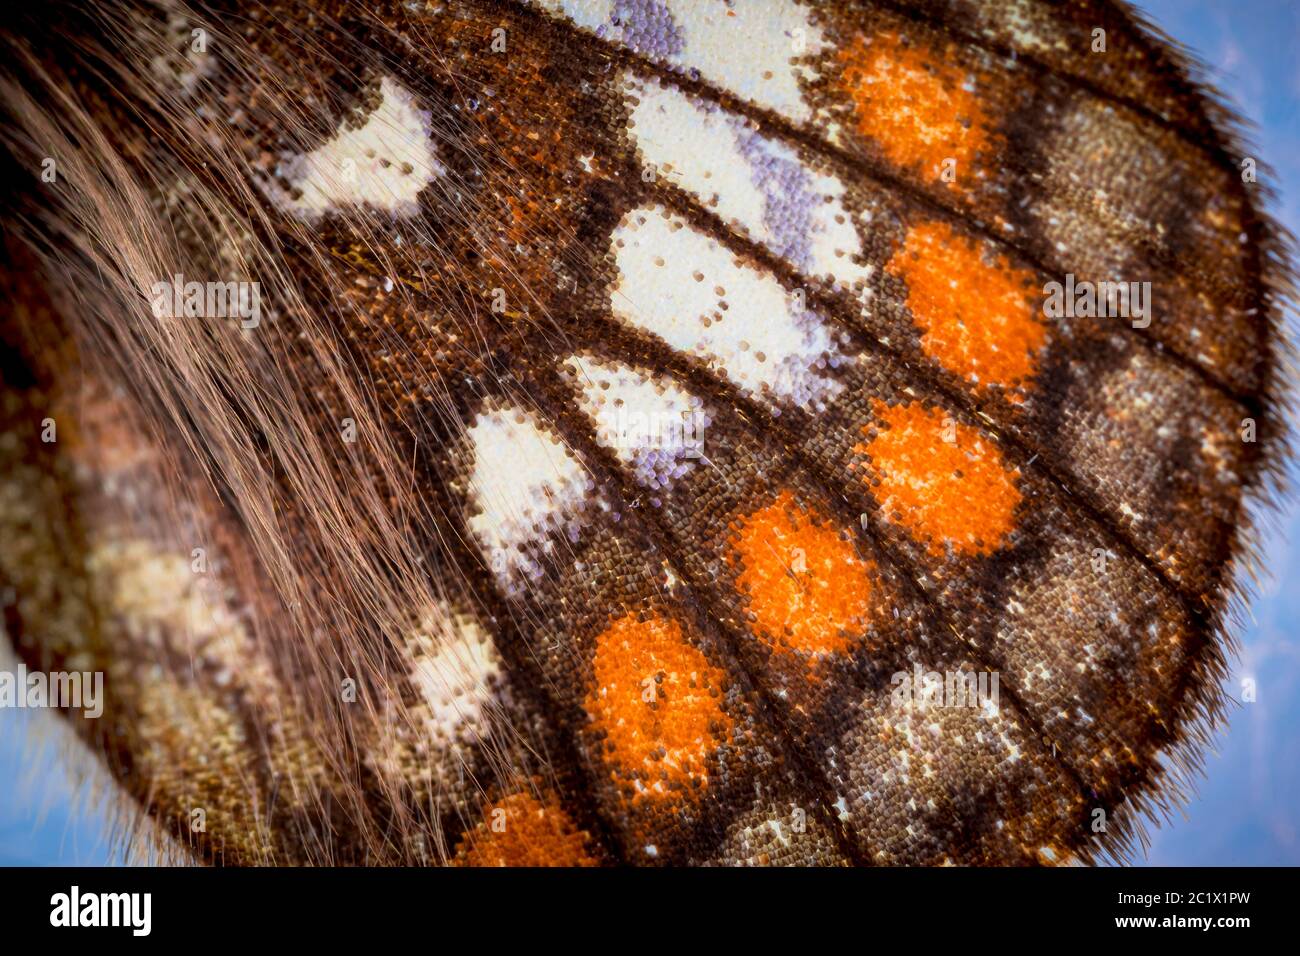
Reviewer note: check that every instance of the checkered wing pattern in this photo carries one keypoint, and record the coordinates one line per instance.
(677, 431)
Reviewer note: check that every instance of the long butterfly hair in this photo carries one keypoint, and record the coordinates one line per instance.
(256, 526)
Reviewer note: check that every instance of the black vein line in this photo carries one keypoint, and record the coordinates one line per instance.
(554, 392)
(1073, 81)
(529, 681)
(1226, 292)
(914, 375)
(782, 128)
(705, 383)
(748, 412)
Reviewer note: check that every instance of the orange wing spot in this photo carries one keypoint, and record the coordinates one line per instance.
(522, 830)
(657, 701)
(942, 480)
(979, 319)
(807, 588)
(919, 112)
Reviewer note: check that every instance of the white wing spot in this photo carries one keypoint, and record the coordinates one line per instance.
(652, 424)
(526, 487)
(753, 182)
(689, 290)
(383, 164)
(749, 49)
(455, 666)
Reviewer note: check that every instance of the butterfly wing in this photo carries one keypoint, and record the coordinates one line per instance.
(659, 443)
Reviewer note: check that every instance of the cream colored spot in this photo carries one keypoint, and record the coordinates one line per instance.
(382, 165)
(526, 487)
(455, 666)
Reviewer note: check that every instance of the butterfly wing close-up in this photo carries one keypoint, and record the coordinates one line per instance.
(655, 432)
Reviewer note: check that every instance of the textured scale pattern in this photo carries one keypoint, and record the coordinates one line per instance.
(702, 380)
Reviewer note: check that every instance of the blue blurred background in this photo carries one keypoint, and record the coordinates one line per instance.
(1247, 809)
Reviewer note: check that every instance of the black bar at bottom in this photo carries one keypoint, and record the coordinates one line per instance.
(440, 907)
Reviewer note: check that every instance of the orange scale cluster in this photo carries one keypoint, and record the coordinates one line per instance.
(807, 588)
(916, 110)
(657, 703)
(525, 830)
(978, 319)
(942, 480)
